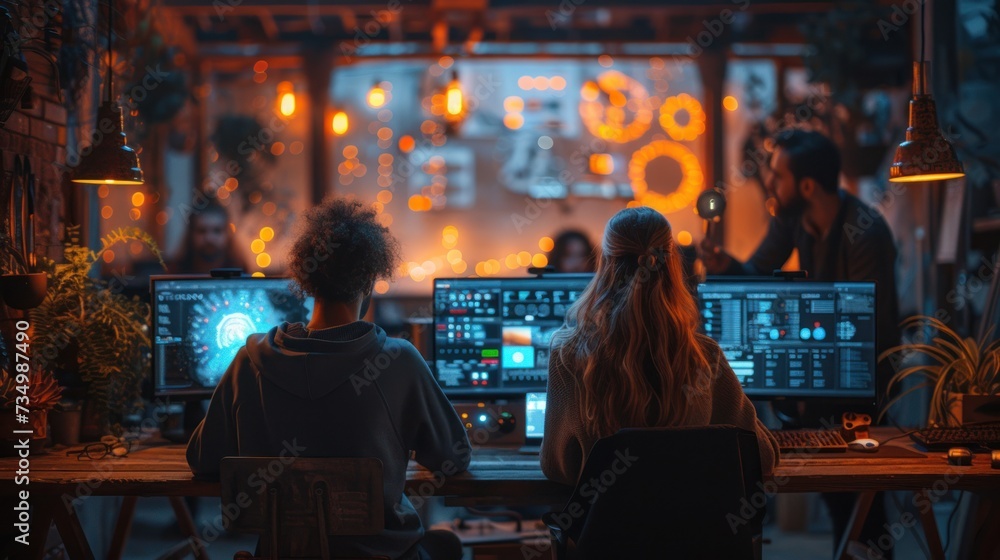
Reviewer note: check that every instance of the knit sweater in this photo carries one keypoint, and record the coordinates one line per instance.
(718, 399)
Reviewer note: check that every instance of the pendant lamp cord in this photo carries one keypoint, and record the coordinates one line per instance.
(923, 30)
(110, 70)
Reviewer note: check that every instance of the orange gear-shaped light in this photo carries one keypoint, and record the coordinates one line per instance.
(610, 121)
(695, 125)
(692, 180)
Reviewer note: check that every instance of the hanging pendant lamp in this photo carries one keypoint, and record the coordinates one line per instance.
(925, 155)
(111, 161)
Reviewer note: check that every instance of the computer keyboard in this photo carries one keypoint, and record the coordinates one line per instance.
(813, 441)
(940, 439)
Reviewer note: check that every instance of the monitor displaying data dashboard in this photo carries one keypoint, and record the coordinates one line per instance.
(200, 323)
(800, 339)
(491, 335)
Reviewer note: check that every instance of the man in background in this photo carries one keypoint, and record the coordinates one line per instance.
(838, 238)
(208, 243)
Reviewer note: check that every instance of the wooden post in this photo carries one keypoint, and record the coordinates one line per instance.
(712, 68)
(319, 70)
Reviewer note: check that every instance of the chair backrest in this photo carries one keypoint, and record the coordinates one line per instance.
(689, 492)
(300, 495)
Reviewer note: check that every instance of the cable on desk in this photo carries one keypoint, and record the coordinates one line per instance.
(902, 435)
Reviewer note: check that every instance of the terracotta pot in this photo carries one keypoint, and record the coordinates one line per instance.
(37, 423)
(65, 426)
(23, 291)
(970, 409)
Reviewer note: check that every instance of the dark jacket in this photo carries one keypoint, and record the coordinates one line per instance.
(348, 391)
(859, 246)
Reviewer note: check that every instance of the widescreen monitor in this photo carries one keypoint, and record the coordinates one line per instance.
(795, 339)
(491, 335)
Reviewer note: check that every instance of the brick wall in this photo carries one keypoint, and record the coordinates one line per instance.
(40, 132)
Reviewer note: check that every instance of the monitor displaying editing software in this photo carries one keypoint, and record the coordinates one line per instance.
(491, 335)
(794, 339)
(199, 323)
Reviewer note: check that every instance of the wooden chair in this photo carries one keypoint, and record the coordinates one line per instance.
(296, 504)
(692, 493)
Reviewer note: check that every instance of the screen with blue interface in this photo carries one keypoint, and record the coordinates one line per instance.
(534, 416)
(794, 339)
(199, 323)
(491, 335)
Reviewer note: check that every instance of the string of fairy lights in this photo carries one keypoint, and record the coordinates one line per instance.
(454, 259)
(613, 106)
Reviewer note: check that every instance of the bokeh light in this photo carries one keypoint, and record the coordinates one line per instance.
(340, 123)
(376, 96)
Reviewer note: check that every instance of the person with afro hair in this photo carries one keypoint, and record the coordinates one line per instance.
(339, 387)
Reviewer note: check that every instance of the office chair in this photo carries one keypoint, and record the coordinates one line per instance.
(296, 504)
(687, 493)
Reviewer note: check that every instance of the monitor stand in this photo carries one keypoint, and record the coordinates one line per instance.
(180, 432)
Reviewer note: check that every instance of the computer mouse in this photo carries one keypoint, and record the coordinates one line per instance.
(959, 456)
(995, 459)
(863, 444)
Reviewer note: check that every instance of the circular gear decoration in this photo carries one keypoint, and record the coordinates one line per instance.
(624, 115)
(692, 179)
(695, 125)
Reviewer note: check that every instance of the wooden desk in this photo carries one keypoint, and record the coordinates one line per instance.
(495, 476)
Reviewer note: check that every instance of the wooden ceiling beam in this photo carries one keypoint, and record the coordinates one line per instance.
(268, 24)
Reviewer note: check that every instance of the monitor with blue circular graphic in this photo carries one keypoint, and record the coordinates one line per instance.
(200, 323)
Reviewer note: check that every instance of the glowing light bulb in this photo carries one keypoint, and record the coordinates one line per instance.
(340, 123)
(454, 104)
(287, 106)
(376, 97)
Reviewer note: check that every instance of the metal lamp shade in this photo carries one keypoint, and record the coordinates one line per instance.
(925, 155)
(111, 161)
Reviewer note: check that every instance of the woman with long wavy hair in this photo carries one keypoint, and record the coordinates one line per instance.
(630, 354)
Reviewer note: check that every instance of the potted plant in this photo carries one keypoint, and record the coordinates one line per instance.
(20, 286)
(963, 374)
(86, 326)
(24, 404)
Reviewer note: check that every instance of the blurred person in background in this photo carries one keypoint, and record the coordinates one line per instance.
(572, 252)
(209, 242)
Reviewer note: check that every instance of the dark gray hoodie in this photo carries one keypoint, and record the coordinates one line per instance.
(349, 391)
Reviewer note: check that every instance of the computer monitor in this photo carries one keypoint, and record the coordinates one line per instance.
(534, 418)
(200, 322)
(491, 335)
(795, 340)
